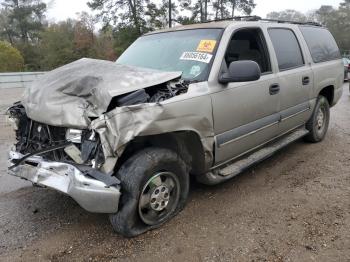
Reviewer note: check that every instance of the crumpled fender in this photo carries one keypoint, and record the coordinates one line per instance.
(121, 125)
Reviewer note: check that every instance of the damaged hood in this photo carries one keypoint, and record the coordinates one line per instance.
(70, 95)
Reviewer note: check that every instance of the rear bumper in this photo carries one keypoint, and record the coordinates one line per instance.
(91, 194)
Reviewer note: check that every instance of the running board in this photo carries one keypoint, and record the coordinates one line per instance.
(265, 152)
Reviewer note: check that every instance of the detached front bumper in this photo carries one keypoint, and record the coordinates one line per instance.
(91, 194)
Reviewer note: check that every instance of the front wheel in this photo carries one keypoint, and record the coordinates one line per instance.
(319, 121)
(155, 186)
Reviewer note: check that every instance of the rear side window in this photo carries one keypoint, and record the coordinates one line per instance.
(321, 44)
(287, 48)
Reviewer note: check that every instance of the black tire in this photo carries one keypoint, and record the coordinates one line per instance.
(134, 175)
(318, 128)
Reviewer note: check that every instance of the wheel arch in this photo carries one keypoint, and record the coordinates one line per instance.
(328, 93)
(187, 144)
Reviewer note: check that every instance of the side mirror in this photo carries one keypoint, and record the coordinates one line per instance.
(241, 71)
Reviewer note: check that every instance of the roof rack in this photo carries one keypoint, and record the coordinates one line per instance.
(258, 18)
(291, 22)
(237, 18)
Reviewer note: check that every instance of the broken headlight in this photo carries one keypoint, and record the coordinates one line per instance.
(74, 135)
(14, 122)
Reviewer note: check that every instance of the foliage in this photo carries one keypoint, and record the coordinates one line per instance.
(11, 59)
(45, 46)
(205, 10)
(7, 30)
(25, 19)
(127, 12)
(57, 45)
(288, 15)
(70, 40)
(123, 37)
(157, 16)
(336, 20)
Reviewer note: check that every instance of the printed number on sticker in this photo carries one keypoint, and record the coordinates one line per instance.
(196, 56)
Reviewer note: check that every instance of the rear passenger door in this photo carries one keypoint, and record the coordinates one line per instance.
(295, 78)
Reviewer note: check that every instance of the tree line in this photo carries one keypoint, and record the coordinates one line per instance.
(337, 20)
(34, 44)
(44, 45)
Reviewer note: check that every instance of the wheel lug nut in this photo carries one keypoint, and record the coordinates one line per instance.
(166, 195)
(156, 192)
(153, 200)
(163, 189)
(163, 203)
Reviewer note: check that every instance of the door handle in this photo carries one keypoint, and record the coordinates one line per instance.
(306, 80)
(274, 89)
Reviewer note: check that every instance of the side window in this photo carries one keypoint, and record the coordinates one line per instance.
(248, 44)
(287, 48)
(321, 44)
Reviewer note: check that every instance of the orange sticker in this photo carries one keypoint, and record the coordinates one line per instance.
(206, 46)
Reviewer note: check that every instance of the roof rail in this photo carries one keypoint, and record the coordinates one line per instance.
(290, 22)
(237, 18)
(258, 18)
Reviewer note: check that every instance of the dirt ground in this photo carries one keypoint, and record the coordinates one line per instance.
(293, 207)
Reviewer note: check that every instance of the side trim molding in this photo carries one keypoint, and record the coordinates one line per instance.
(295, 110)
(260, 124)
(247, 130)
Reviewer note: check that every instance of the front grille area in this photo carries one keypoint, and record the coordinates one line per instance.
(33, 137)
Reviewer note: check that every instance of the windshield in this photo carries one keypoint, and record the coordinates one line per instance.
(188, 51)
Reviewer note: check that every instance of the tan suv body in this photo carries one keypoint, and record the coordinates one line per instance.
(208, 100)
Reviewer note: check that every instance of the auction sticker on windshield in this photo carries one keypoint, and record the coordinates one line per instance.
(196, 56)
(206, 46)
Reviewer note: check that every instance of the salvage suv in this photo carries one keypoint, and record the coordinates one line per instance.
(207, 100)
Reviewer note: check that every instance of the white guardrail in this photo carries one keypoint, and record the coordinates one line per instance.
(18, 80)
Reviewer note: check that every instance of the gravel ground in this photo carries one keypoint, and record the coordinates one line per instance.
(293, 207)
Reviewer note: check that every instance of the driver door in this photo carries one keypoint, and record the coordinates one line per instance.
(246, 114)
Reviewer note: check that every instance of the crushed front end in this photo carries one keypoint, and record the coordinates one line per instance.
(74, 123)
(64, 159)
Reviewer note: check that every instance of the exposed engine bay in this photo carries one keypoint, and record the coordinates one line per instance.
(154, 94)
(55, 143)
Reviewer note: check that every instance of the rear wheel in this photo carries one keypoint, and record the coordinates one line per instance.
(155, 185)
(319, 121)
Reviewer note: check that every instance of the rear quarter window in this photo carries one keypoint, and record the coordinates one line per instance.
(321, 44)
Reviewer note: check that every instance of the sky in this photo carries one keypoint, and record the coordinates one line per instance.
(63, 9)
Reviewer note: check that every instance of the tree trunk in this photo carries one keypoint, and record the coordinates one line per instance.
(233, 7)
(205, 10)
(21, 22)
(134, 16)
(170, 14)
(222, 9)
(9, 36)
(23, 34)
